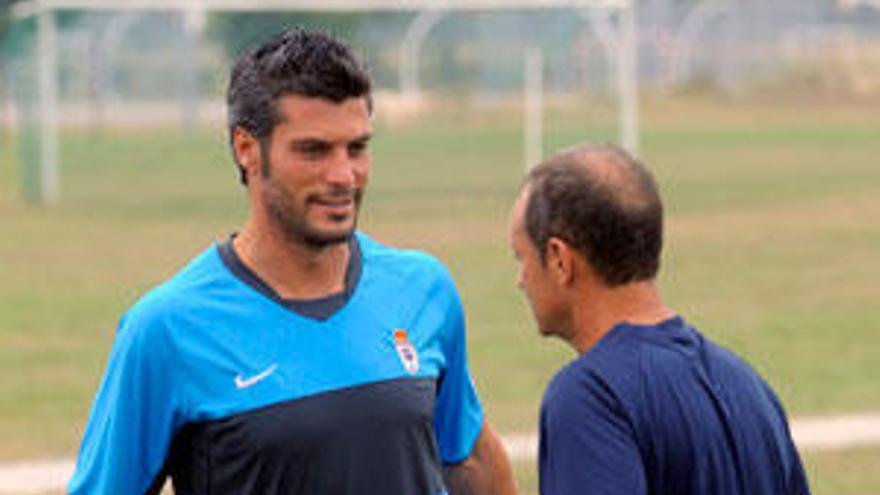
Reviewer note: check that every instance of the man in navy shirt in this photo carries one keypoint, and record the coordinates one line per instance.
(650, 406)
(299, 356)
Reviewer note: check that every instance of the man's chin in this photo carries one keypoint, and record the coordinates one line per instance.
(327, 238)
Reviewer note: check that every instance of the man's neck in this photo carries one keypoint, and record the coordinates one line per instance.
(637, 303)
(293, 269)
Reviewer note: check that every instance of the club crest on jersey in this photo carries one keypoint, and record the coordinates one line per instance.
(406, 351)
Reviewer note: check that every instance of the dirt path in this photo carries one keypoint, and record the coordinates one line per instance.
(813, 433)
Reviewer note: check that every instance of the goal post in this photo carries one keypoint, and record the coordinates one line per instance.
(624, 57)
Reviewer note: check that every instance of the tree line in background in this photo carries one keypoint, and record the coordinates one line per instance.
(235, 32)
(454, 56)
(5, 6)
(685, 45)
(4, 16)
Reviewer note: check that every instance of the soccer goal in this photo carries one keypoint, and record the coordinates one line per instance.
(612, 21)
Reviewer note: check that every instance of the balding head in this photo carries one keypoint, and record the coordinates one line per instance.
(604, 204)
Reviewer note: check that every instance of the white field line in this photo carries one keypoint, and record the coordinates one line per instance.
(810, 434)
(35, 477)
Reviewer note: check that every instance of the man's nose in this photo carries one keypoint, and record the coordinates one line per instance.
(341, 169)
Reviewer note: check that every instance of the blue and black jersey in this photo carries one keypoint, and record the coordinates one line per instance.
(661, 410)
(226, 387)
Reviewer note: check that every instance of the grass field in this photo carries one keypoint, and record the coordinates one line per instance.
(773, 249)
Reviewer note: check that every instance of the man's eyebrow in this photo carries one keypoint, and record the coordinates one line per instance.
(315, 140)
(309, 141)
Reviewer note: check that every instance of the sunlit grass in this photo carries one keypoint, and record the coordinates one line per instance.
(771, 248)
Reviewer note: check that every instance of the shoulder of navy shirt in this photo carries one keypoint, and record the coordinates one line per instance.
(661, 409)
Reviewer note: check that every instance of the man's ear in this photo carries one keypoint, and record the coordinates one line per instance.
(560, 260)
(247, 151)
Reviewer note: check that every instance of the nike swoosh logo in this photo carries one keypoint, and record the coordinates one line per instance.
(242, 383)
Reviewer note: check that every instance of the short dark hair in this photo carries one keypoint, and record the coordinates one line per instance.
(603, 203)
(297, 61)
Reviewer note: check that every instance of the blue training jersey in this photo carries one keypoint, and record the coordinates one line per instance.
(227, 389)
(661, 410)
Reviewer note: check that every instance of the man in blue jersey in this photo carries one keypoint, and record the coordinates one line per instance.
(299, 356)
(650, 406)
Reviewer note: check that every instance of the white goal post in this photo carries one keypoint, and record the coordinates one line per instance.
(621, 50)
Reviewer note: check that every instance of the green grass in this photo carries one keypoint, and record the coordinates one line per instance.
(851, 472)
(772, 249)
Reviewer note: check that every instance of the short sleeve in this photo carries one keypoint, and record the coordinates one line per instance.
(133, 417)
(458, 416)
(586, 443)
(795, 478)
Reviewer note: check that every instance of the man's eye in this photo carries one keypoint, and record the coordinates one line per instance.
(358, 148)
(312, 150)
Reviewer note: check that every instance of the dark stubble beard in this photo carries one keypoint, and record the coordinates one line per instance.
(291, 220)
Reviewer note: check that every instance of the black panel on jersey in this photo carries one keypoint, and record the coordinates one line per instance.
(376, 438)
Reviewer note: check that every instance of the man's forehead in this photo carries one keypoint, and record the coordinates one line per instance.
(518, 211)
(522, 198)
(321, 118)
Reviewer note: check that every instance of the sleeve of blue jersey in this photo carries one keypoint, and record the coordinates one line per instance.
(458, 415)
(133, 416)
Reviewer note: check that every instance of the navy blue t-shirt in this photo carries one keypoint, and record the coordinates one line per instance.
(662, 410)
